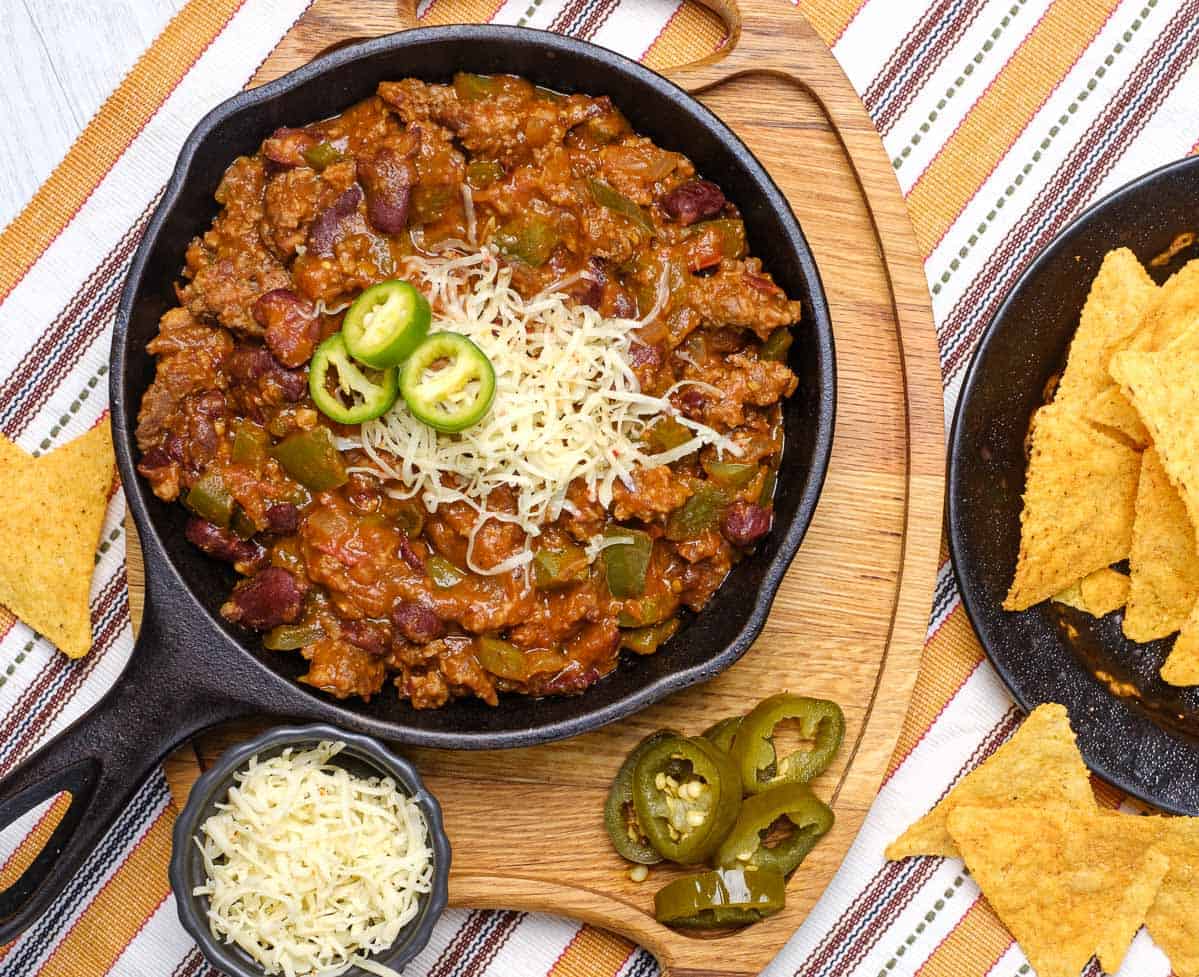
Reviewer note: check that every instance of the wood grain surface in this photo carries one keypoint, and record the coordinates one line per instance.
(61, 61)
(850, 619)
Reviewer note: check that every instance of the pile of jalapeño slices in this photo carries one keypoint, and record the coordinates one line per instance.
(384, 351)
(728, 800)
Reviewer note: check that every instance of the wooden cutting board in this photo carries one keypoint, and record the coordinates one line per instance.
(850, 619)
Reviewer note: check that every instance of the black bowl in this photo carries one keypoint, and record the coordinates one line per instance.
(362, 756)
(1135, 731)
(184, 584)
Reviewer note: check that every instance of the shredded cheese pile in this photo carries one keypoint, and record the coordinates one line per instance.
(567, 404)
(310, 868)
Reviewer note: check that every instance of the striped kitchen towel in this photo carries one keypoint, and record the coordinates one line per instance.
(1003, 118)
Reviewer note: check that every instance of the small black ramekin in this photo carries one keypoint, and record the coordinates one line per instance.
(363, 756)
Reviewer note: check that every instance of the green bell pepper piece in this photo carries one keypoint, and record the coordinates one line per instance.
(482, 173)
(321, 155)
(472, 88)
(701, 512)
(210, 499)
(607, 196)
(647, 640)
(730, 474)
(554, 569)
(529, 238)
(626, 564)
(502, 658)
(251, 442)
(289, 637)
(776, 346)
(667, 433)
(312, 459)
(443, 573)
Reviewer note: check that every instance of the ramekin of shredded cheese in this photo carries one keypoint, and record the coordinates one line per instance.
(315, 852)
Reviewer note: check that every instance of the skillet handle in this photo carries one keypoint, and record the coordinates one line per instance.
(101, 760)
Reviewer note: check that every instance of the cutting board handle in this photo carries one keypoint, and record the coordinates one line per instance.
(101, 760)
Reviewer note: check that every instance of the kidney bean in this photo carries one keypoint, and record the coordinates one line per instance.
(409, 555)
(745, 523)
(326, 228)
(416, 622)
(590, 290)
(153, 460)
(269, 598)
(287, 146)
(292, 327)
(388, 179)
(762, 284)
(223, 544)
(620, 303)
(293, 384)
(364, 492)
(250, 364)
(641, 354)
(573, 679)
(694, 201)
(692, 403)
(373, 637)
(175, 446)
(282, 517)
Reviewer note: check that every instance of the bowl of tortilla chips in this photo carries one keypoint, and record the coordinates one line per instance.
(1074, 485)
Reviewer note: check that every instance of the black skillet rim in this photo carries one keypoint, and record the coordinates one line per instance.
(820, 324)
(1120, 778)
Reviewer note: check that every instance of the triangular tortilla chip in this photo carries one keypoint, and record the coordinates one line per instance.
(1164, 563)
(1078, 506)
(1173, 919)
(1181, 666)
(1097, 593)
(1164, 388)
(1040, 764)
(1112, 411)
(1115, 306)
(1173, 311)
(55, 506)
(1068, 884)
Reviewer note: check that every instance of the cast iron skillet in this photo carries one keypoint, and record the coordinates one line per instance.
(191, 669)
(1134, 730)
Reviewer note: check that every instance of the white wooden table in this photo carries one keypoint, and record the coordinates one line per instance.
(59, 60)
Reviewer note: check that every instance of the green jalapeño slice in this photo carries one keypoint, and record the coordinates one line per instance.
(448, 382)
(386, 323)
(344, 391)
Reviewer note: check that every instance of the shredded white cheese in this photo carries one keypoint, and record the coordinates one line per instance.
(567, 404)
(310, 869)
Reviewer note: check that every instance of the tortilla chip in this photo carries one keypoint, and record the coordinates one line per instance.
(1079, 501)
(1164, 388)
(1164, 563)
(1067, 883)
(1173, 311)
(55, 506)
(1096, 594)
(1115, 307)
(1173, 919)
(1181, 667)
(1039, 765)
(1112, 411)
